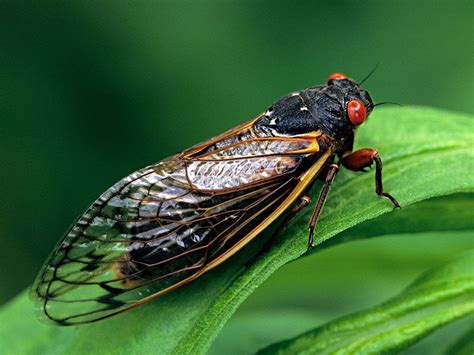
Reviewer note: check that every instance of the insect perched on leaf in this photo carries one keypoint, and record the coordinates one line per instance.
(167, 224)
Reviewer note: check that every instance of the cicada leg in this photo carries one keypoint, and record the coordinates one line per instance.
(330, 176)
(364, 158)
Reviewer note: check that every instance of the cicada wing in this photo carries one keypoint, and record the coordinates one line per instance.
(168, 223)
(147, 234)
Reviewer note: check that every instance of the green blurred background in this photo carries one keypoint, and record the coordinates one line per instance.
(90, 91)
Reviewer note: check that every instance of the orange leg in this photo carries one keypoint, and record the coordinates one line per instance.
(364, 158)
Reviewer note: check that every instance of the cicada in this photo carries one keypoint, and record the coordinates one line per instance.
(167, 224)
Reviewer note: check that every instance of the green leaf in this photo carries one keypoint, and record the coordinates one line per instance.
(437, 298)
(447, 213)
(426, 153)
(339, 281)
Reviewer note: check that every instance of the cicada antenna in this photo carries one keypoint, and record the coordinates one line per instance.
(387, 102)
(370, 74)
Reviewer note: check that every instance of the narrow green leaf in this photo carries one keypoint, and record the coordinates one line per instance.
(435, 299)
(426, 153)
(447, 213)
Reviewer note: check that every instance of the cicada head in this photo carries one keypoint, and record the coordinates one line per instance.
(356, 103)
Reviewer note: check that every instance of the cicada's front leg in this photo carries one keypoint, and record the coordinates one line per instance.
(364, 158)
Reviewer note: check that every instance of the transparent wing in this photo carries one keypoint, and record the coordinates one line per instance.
(160, 226)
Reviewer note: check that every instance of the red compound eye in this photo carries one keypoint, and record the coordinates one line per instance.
(337, 76)
(356, 112)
